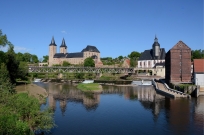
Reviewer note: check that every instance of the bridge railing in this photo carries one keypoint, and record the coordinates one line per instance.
(37, 69)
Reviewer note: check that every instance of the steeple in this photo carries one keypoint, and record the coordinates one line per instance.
(156, 48)
(155, 39)
(53, 41)
(63, 43)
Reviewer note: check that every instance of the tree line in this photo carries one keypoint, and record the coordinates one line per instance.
(20, 113)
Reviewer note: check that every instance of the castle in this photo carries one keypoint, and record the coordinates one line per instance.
(72, 58)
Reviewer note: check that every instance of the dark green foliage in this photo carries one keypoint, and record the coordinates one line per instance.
(89, 62)
(45, 58)
(2, 57)
(79, 75)
(66, 64)
(12, 64)
(197, 54)
(3, 39)
(134, 55)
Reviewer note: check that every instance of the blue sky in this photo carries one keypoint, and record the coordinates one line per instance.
(115, 27)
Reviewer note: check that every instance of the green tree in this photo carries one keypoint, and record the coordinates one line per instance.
(45, 58)
(12, 64)
(19, 56)
(2, 57)
(134, 54)
(34, 58)
(27, 57)
(133, 58)
(3, 39)
(120, 57)
(89, 62)
(23, 70)
(197, 54)
(66, 64)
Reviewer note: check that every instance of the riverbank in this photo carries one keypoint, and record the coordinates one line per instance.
(90, 87)
(33, 90)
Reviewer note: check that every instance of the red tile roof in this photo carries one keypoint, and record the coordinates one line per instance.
(198, 65)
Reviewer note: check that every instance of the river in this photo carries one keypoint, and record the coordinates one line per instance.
(122, 110)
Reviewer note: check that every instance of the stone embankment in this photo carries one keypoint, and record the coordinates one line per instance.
(162, 88)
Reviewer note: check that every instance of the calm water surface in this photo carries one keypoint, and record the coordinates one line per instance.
(122, 110)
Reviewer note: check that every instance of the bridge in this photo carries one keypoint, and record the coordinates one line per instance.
(36, 69)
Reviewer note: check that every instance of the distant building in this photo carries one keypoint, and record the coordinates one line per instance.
(149, 58)
(178, 64)
(73, 58)
(198, 71)
(126, 63)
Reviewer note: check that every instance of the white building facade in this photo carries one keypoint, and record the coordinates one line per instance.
(149, 58)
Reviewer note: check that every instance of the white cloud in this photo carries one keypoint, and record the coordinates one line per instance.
(21, 49)
(64, 32)
(16, 49)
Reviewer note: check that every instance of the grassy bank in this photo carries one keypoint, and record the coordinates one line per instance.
(88, 86)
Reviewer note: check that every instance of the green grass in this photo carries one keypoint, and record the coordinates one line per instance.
(88, 86)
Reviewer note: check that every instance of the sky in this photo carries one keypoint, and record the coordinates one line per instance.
(115, 27)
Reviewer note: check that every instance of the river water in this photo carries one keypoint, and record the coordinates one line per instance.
(122, 110)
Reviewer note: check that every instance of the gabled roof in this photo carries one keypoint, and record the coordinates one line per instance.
(180, 45)
(148, 55)
(74, 55)
(90, 49)
(198, 65)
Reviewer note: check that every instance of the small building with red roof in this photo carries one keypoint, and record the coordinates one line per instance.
(198, 71)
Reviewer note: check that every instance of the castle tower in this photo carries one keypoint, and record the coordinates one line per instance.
(52, 51)
(156, 48)
(63, 47)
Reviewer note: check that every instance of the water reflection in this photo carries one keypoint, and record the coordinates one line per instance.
(134, 107)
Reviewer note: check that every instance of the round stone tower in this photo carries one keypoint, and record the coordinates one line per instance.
(52, 51)
(63, 47)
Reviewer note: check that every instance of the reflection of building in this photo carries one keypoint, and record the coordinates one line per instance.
(149, 58)
(178, 63)
(73, 58)
(179, 115)
(199, 113)
(66, 93)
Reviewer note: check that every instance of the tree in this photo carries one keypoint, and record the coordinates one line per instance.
(197, 54)
(45, 58)
(133, 58)
(89, 62)
(65, 64)
(12, 64)
(3, 39)
(34, 58)
(120, 57)
(134, 54)
(19, 56)
(2, 57)
(27, 57)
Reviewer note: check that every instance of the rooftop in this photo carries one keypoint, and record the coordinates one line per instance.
(198, 65)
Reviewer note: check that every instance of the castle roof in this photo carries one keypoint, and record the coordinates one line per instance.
(63, 43)
(90, 49)
(148, 55)
(74, 55)
(53, 42)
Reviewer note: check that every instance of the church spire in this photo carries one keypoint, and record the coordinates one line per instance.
(53, 41)
(155, 39)
(63, 43)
